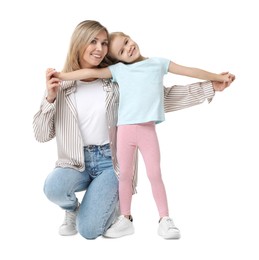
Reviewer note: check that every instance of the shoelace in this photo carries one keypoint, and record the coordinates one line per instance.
(70, 217)
(171, 224)
(118, 221)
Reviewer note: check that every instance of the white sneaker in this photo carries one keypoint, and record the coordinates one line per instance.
(167, 229)
(68, 228)
(121, 227)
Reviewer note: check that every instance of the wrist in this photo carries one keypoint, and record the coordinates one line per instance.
(50, 99)
(208, 90)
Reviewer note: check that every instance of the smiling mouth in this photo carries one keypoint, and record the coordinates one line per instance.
(132, 51)
(96, 56)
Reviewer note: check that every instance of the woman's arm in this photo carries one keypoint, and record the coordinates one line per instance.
(179, 97)
(43, 121)
(81, 74)
(196, 73)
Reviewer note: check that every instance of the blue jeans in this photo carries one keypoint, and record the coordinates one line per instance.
(98, 206)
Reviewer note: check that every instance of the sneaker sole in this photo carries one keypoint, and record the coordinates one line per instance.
(120, 234)
(171, 236)
(64, 233)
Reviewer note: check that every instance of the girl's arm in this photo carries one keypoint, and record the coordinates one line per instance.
(103, 73)
(196, 73)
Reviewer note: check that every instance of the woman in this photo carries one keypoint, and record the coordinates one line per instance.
(82, 115)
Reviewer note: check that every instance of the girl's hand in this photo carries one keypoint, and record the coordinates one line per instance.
(53, 84)
(220, 86)
(225, 77)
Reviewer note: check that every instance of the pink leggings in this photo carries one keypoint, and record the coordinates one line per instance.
(143, 137)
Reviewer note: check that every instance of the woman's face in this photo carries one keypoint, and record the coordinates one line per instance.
(95, 51)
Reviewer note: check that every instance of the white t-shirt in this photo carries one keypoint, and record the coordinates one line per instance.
(89, 100)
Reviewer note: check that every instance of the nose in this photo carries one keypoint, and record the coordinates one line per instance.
(99, 46)
(129, 48)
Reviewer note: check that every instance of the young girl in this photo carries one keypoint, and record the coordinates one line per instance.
(141, 106)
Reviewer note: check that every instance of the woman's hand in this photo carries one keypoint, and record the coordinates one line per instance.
(52, 84)
(220, 86)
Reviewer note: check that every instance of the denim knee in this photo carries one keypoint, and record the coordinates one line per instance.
(51, 194)
(88, 230)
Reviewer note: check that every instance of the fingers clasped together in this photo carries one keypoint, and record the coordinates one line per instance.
(220, 86)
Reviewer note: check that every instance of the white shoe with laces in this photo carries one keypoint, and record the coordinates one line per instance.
(167, 229)
(121, 227)
(68, 228)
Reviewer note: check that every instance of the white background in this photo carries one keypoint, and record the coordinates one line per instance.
(209, 152)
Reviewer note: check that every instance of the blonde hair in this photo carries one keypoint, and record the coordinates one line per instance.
(82, 36)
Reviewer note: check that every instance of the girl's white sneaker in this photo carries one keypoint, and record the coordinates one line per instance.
(167, 229)
(121, 227)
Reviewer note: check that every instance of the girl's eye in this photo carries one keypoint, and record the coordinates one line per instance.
(93, 42)
(121, 52)
(105, 43)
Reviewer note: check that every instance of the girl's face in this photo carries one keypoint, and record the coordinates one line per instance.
(124, 49)
(95, 51)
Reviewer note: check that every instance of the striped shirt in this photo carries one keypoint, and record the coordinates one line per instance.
(59, 119)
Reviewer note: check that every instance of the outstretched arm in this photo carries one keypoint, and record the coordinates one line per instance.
(103, 73)
(197, 73)
(179, 97)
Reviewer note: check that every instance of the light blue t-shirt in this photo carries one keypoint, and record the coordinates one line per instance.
(141, 90)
